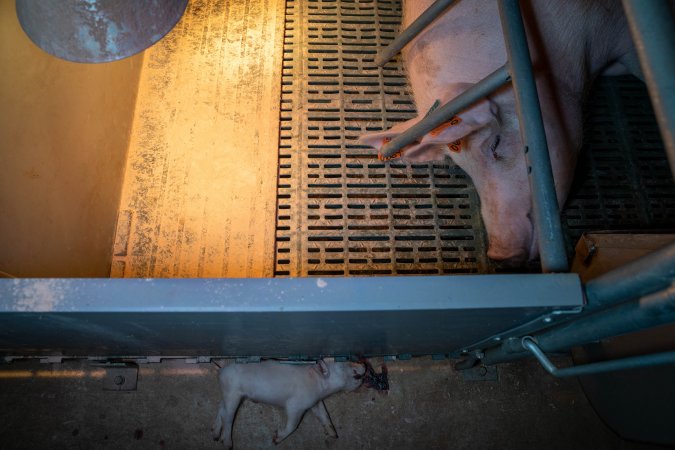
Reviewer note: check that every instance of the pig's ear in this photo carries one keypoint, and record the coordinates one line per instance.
(377, 140)
(424, 152)
(482, 114)
(323, 368)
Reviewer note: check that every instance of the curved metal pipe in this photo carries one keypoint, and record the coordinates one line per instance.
(634, 362)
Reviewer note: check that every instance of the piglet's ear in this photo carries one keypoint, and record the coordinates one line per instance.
(323, 368)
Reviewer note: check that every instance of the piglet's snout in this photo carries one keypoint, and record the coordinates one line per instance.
(359, 371)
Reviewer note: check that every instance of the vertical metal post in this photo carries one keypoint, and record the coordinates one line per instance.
(546, 211)
(653, 29)
(407, 35)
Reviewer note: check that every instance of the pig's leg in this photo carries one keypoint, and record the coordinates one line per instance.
(222, 427)
(294, 414)
(320, 411)
(217, 428)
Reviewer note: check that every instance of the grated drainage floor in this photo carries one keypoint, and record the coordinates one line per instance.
(623, 181)
(342, 212)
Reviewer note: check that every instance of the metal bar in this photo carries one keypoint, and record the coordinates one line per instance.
(546, 211)
(279, 317)
(640, 277)
(445, 112)
(548, 320)
(649, 311)
(653, 30)
(407, 35)
(653, 272)
(635, 362)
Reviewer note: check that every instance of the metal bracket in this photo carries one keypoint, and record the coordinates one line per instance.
(536, 324)
(119, 376)
(588, 249)
(198, 360)
(480, 373)
(52, 360)
(247, 360)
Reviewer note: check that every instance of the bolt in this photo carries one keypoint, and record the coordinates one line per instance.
(482, 371)
(119, 380)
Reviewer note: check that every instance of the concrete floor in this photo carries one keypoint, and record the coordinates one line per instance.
(429, 406)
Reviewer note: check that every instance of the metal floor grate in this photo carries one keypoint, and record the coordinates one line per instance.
(623, 181)
(342, 212)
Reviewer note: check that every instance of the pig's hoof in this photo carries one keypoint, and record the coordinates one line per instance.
(275, 438)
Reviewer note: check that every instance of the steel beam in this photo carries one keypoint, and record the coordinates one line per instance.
(270, 317)
(407, 35)
(653, 29)
(546, 211)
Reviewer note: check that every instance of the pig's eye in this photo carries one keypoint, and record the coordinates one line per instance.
(493, 148)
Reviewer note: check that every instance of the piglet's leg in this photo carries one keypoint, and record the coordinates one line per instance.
(294, 414)
(320, 411)
(222, 427)
(217, 428)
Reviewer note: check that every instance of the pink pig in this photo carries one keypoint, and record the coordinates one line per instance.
(570, 42)
(296, 388)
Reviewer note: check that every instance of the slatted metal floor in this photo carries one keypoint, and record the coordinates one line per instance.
(342, 212)
(623, 181)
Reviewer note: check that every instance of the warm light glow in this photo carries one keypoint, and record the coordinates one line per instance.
(202, 159)
(101, 373)
(7, 374)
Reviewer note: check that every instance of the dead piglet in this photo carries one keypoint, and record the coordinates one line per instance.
(296, 388)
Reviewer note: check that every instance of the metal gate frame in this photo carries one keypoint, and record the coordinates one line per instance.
(313, 317)
(283, 317)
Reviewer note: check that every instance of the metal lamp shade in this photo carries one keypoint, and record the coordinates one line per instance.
(94, 31)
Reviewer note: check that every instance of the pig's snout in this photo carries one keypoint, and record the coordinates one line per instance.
(514, 247)
(359, 371)
(507, 258)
